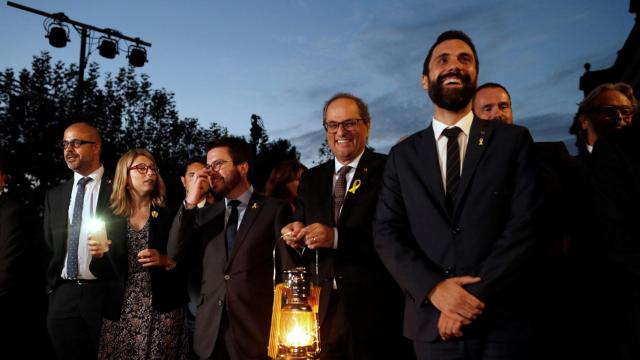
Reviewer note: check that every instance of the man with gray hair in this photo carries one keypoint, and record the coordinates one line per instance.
(606, 108)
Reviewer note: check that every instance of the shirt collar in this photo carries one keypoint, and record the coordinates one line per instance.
(96, 175)
(353, 163)
(244, 198)
(464, 124)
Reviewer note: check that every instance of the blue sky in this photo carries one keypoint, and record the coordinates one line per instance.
(281, 59)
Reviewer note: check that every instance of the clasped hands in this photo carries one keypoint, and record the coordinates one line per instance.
(146, 257)
(457, 306)
(313, 236)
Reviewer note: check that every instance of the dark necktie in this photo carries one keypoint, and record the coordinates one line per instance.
(340, 191)
(232, 225)
(453, 166)
(76, 223)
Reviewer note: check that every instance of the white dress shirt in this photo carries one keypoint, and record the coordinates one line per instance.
(91, 191)
(441, 141)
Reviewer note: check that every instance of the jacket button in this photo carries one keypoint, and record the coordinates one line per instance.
(450, 271)
(456, 230)
(227, 277)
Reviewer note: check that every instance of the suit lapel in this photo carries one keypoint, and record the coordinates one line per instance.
(104, 194)
(358, 183)
(479, 138)
(325, 186)
(250, 215)
(429, 166)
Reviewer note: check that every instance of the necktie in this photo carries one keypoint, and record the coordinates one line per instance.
(453, 166)
(232, 225)
(76, 223)
(340, 191)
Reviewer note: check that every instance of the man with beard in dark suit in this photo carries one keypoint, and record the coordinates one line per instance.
(455, 219)
(238, 236)
(75, 294)
(360, 306)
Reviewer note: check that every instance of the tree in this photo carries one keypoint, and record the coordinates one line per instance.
(37, 105)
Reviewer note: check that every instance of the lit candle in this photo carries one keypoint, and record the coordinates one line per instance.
(98, 233)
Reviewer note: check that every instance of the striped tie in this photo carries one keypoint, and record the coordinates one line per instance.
(340, 191)
(453, 166)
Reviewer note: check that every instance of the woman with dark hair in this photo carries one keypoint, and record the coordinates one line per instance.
(143, 314)
(284, 179)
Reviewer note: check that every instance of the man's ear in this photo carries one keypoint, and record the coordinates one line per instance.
(584, 122)
(425, 82)
(244, 168)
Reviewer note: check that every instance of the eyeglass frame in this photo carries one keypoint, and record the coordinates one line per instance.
(344, 124)
(607, 110)
(146, 168)
(75, 143)
(217, 165)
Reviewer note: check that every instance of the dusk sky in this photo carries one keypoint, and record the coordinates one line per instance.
(281, 59)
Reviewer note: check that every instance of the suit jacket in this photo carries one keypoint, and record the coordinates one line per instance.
(616, 176)
(372, 301)
(490, 234)
(168, 287)
(15, 248)
(56, 219)
(241, 285)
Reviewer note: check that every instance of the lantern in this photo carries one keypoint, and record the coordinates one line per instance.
(296, 326)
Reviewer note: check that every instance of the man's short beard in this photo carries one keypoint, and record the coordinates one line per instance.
(229, 183)
(456, 99)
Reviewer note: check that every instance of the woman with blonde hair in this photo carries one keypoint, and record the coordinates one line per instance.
(143, 314)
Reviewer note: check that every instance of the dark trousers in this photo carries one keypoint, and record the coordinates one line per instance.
(335, 332)
(74, 320)
(471, 349)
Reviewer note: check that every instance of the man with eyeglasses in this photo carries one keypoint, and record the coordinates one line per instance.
(606, 108)
(360, 310)
(239, 235)
(75, 295)
(455, 219)
(616, 179)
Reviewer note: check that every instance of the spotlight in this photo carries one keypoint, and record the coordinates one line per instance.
(57, 35)
(108, 47)
(137, 55)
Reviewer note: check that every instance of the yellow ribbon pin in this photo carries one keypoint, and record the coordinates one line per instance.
(481, 141)
(154, 214)
(254, 206)
(354, 186)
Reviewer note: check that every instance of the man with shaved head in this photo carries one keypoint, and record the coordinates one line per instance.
(75, 294)
(493, 102)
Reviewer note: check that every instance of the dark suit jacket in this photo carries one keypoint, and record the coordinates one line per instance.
(372, 301)
(56, 218)
(16, 250)
(490, 235)
(168, 287)
(616, 176)
(243, 284)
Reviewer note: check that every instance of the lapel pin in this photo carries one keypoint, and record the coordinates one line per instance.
(481, 142)
(355, 186)
(365, 169)
(254, 206)
(154, 214)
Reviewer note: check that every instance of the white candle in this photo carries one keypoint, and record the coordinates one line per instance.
(98, 233)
